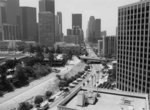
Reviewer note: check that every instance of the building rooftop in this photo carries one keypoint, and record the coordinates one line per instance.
(112, 100)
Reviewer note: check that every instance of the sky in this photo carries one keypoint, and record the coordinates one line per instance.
(106, 10)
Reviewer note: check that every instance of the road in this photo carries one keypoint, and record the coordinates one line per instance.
(37, 87)
(95, 68)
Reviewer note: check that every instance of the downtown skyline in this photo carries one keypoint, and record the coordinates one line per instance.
(97, 8)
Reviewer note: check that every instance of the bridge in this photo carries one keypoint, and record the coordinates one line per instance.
(95, 59)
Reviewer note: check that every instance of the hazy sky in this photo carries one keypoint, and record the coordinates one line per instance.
(105, 9)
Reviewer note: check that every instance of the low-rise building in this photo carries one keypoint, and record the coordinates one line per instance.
(106, 100)
(66, 47)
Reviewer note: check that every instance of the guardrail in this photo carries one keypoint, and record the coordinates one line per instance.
(64, 108)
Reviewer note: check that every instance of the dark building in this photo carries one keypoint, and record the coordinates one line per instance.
(29, 26)
(58, 27)
(77, 20)
(46, 29)
(109, 46)
(133, 68)
(69, 32)
(94, 30)
(10, 20)
(47, 5)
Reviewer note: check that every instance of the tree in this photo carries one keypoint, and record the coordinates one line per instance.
(21, 75)
(25, 106)
(48, 94)
(58, 50)
(11, 63)
(51, 58)
(38, 99)
(31, 49)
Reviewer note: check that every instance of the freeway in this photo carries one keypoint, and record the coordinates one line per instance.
(94, 69)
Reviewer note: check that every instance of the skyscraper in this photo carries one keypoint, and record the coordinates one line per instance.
(47, 22)
(47, 5)
(58, 27)
(13, 16)
(59, 14)
(2, 17)
(109, 46)
(77, 20)
(11, 19)
(90, 29)
(98, 29)
(133, 69)
(29, 26)
(46, 29)
(94, 30)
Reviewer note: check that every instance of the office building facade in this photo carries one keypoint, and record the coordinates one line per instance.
(94, 30)
(98, 29)
(47, 22)
(109, 46)
(133, 68)
(46, 29)
(47, 5)
(58, 27)
(28, 24)
(77, 20)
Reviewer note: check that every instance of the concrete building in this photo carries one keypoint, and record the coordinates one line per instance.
(134, 47)
(109, 46)
(98, 29)
(58, 27)
(94, 30)
(46, 29)
(76, 32)
(108, 100)
(66, 47)
(13, 16)
(77, 20)
(71, 39)
(69, 32)
(10, 17)
(103, 34)
(59, 14)
(47, 5)
(100, 47)
(3, 18)
(47, 22)
(29, 26)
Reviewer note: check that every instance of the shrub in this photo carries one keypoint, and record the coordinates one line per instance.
(25, 106)
(1, 94)
(38, 99)
(48, 94)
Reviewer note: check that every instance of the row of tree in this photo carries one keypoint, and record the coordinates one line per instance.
(37, 101)
(64, 82)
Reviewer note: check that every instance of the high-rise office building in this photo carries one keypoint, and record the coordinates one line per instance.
(109, 46)
(98, 29)
(94, 30)
(69, 32)
(2, 18)
(133, 68)
(59, 14)
(90, 29)
(100, 47)
(77, 20)
(46, 29)
(58, 27)
(11, 20)
(29, 26)
(47, 5)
